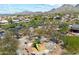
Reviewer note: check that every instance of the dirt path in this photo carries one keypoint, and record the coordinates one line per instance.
(21, 46)
(57, 50)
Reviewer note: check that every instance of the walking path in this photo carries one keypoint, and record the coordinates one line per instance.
(21, 46)
(57, 50)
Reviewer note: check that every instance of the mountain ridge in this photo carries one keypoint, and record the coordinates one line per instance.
(65, 8)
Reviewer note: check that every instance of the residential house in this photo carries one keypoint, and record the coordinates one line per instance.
(27, 20)
(3, 22)
(74, 29)
(57, 17)
(16, 21)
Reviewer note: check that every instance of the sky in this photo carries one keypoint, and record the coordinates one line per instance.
(14, 8)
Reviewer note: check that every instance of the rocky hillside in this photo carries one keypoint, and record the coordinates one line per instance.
(66, 8)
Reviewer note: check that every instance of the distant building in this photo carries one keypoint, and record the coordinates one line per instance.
(27, 20)
(3, 22)
(16, 21)
(74, 29)
(57, 17)
(66, 17)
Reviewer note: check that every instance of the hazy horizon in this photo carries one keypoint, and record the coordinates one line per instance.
(14, 8)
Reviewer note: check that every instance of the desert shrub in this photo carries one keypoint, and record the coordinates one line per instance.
(8, 45)
(71, 43)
